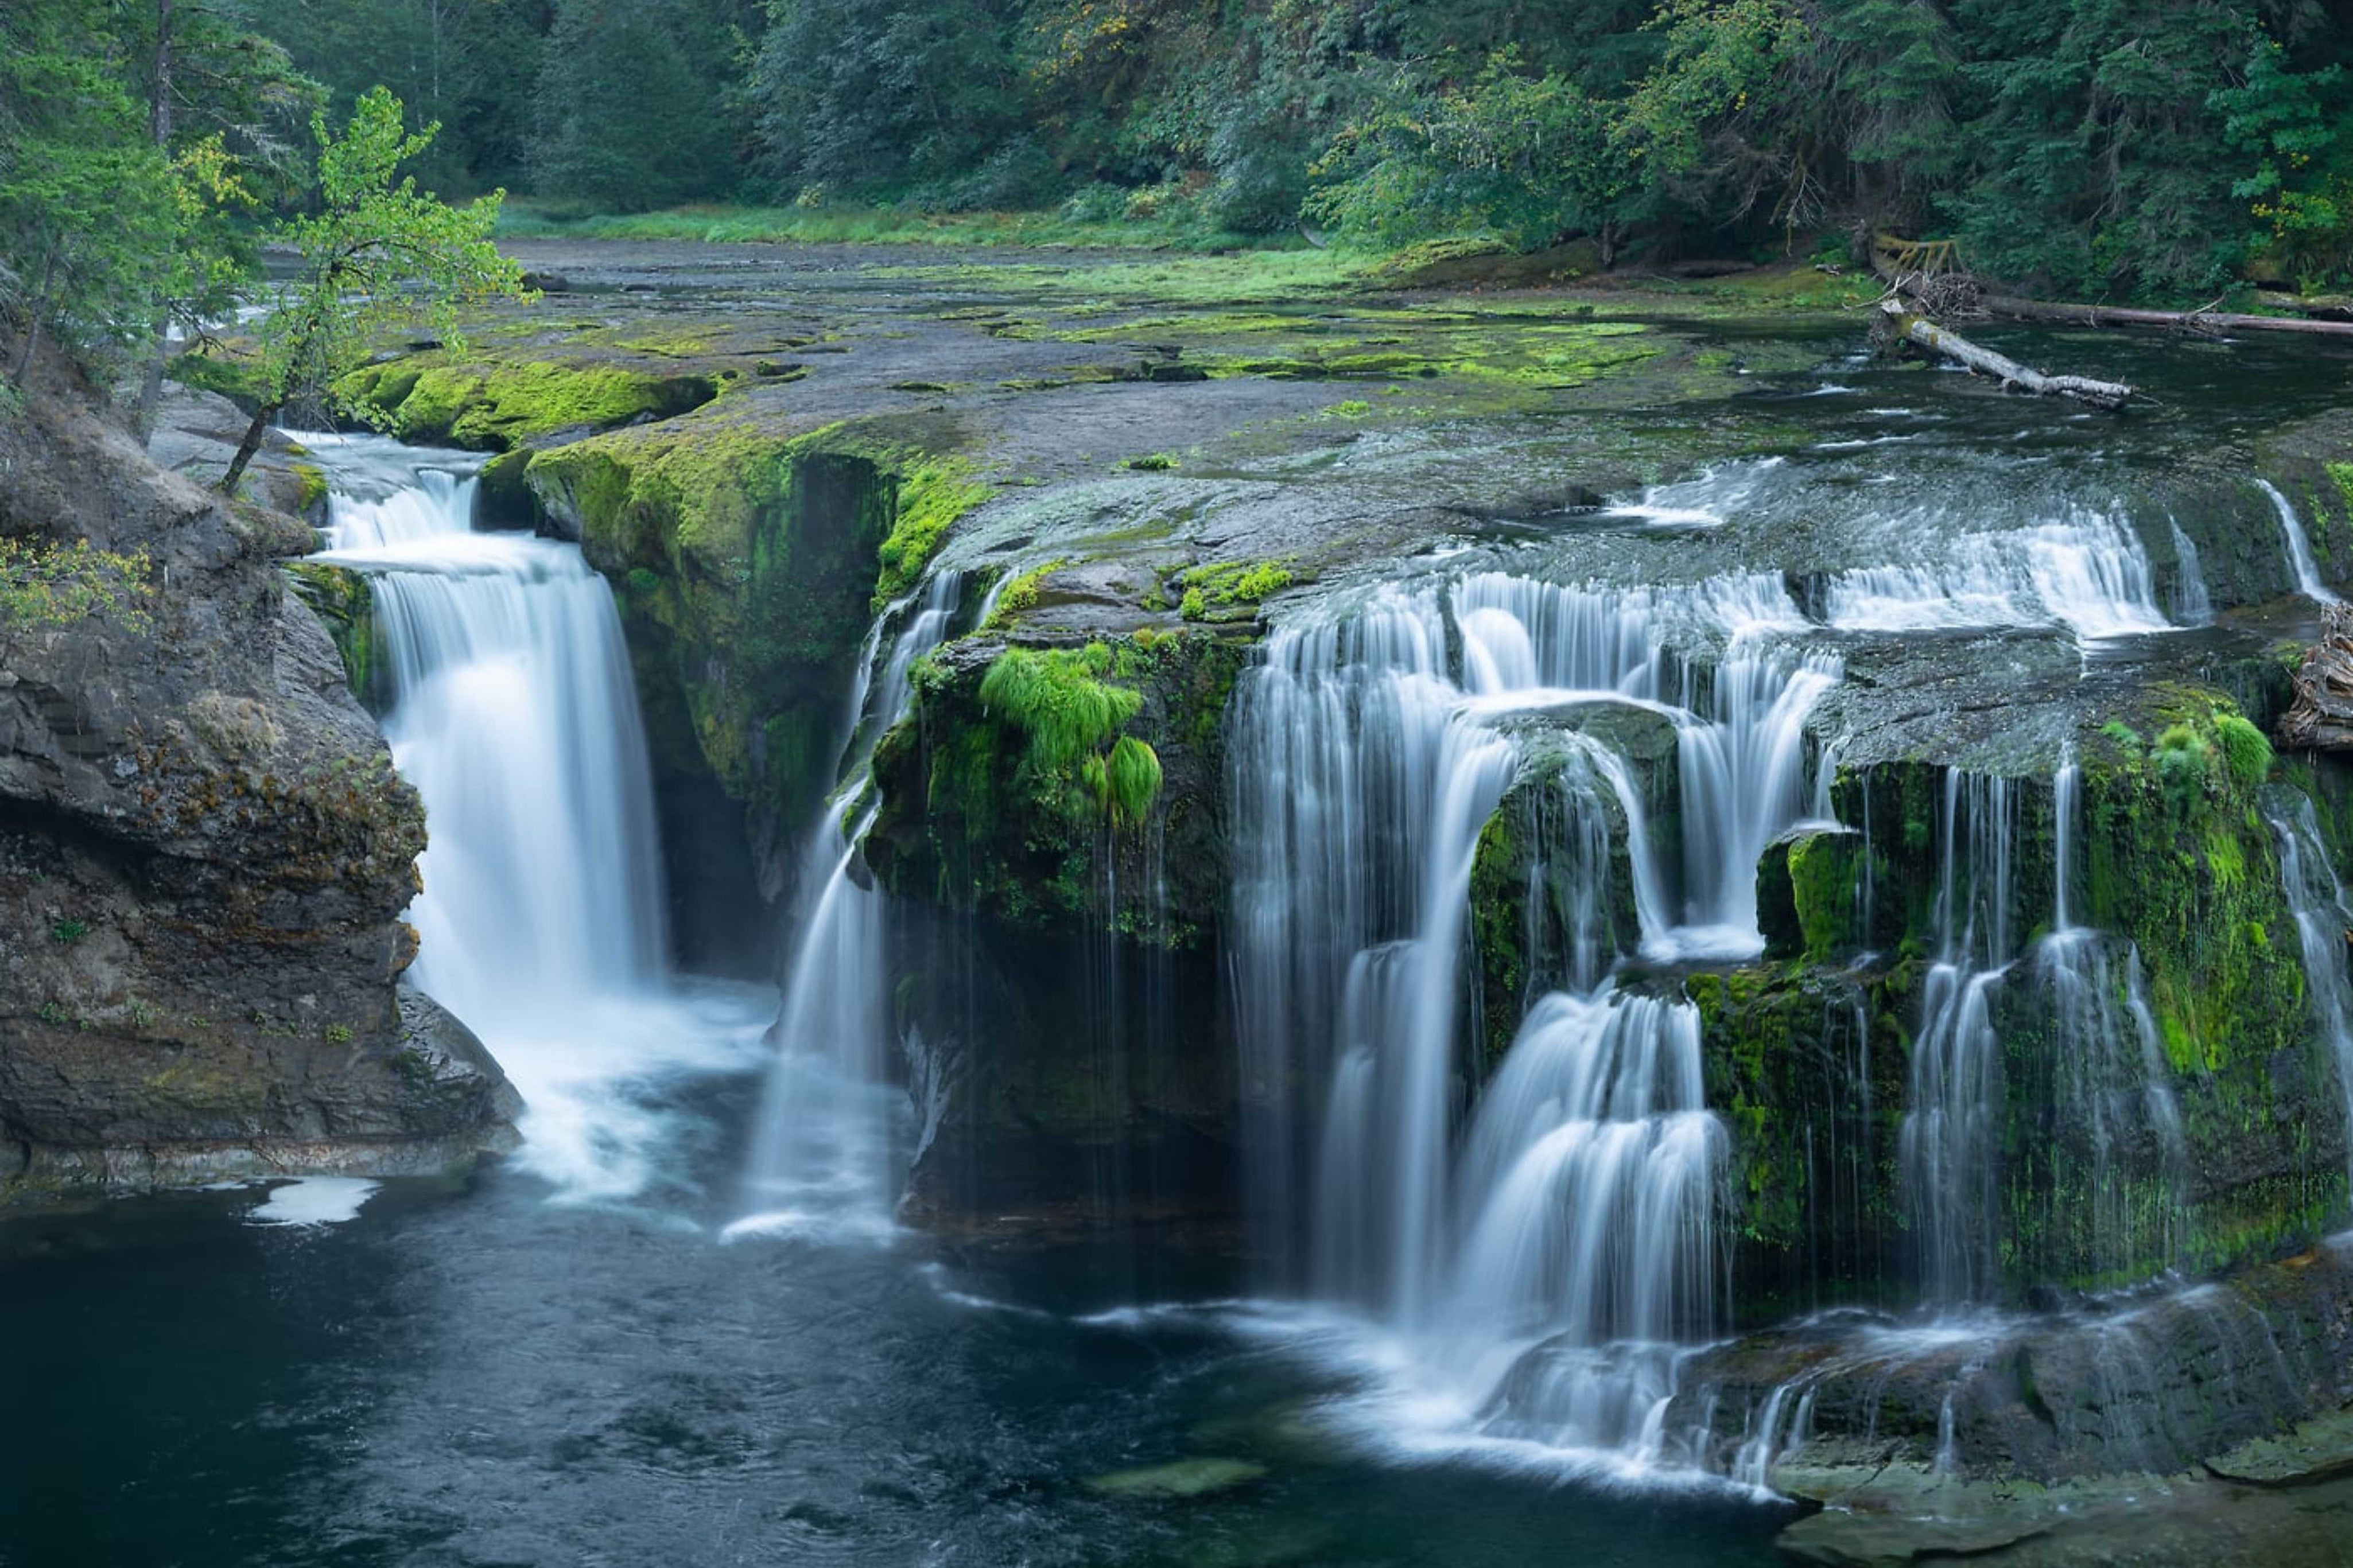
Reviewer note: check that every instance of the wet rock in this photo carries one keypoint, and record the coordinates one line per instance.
(203, 857)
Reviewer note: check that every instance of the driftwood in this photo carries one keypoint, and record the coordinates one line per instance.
(2321, 718)
(1901, 322)
(2209, 322)
(1931, 272)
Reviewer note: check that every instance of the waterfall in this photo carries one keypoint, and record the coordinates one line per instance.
(511, 707)
(2084, 570)
(2112, 1085)
(1946, 1145)
(1549, 1256)
(2193, 605)
(2299, 548)
(2322, 920)
(511, 710)
(827, 1148)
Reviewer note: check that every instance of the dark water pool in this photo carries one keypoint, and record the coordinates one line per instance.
(485, 1376)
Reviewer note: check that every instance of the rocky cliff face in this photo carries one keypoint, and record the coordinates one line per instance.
(204, 853)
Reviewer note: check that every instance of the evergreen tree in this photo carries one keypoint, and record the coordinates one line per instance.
(623, 121)
(87, 216)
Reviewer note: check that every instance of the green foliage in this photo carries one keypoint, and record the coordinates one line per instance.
(87, 208)
(1132, 780)
(1021, 594)
(1210, 588)
(2080, 145)
(668, 146)
(2246, 750)
(1054, 697)
(45, 585)
(65, 934)
(379, 254)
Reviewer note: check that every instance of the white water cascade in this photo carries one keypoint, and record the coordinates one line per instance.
(2299, 547)
(827, 1150)
(511, 708)
(1946, 1145)
(2084, 570)
(2322, 919)
(1547, 1257)
(2114, 1086)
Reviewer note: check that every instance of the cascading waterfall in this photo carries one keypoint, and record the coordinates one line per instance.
(2299, 547)
(1573, 1221)
(2322, 920)
(2113, 1085)
(2086, 570)
(1945, 1146)
(511, 707)
(827, 1148)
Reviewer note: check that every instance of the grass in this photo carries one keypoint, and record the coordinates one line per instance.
(855, 225)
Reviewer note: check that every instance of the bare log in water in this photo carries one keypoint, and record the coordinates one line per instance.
(2321, 719)
(1901, 322)
(2179, 321)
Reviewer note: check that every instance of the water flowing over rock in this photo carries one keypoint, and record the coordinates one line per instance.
(508, 700)
(203, 857)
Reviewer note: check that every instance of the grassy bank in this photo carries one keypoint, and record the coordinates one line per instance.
(1181, 230)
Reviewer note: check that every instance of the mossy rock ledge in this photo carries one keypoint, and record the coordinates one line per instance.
(1056, 947)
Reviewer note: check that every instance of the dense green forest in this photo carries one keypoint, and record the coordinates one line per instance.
(2092, 148)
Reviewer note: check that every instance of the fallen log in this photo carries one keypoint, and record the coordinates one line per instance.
(1931, 271)
(2177, 321)
(2321, 718)
(1903, 324)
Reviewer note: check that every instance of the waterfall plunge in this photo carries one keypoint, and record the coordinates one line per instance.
(826, 1151)
(511, 707)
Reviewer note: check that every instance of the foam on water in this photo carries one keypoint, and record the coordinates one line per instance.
(314, 1201)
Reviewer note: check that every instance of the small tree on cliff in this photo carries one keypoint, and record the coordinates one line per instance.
(378, 254)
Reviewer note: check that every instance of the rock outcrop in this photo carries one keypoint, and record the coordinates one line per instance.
(204, 853)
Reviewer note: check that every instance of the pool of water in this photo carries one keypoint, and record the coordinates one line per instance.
(515, 1371)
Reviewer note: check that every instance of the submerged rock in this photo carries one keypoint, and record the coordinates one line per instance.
(1181, 1479)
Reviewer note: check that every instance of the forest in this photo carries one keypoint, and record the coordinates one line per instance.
(2082, 148)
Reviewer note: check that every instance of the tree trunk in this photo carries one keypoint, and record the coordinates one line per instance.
(159, 129)
(2180, 320)
(32, 331)
(247, 447)
(1901, 323)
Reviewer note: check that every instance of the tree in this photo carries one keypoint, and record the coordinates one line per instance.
(218, 97)
(669, 147)
(86, 205)
(378, 254)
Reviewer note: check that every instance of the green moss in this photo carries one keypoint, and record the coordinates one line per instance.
(1229, 584)
(2245, 749)
(345, 605)
(1151, 463)
(1054, 697)
(503, 404)
(1823, 870)
(1021, 594)
(312, 481)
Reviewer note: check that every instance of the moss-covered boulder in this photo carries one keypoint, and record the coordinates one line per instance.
(341, 598)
